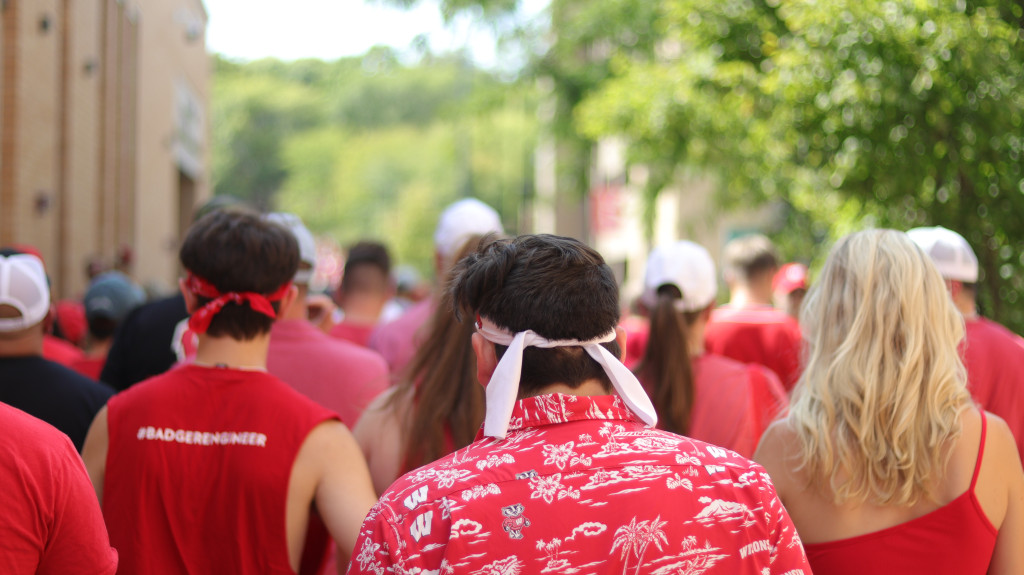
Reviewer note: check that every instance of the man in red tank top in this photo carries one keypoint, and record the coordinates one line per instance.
(218, 466)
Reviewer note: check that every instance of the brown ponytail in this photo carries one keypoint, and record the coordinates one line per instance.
(665, 367)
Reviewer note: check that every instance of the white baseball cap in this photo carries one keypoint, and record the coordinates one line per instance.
(950, 252)
(688, 267)
(23, 286)
(460, 221)
(307, 245)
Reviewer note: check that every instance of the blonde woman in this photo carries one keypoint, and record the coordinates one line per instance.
(884, 463)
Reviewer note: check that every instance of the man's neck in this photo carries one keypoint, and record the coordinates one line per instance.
(742, 295)
(591, 387)
(229, 352)
(362, 308)
(25, 345)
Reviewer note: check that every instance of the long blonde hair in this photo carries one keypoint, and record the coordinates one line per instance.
(877, 407)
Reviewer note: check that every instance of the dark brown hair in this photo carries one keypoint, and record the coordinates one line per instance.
(749, 256)
(558, 287)
(441, 380)
(367, 268)
(240, 252)
(665, 369)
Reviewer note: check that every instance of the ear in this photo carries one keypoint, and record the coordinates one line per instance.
(288, 300)
(955, 288)
(620, 338)
(486, 359)
(190, 298)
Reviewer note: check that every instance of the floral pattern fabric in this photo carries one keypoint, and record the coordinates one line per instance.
(580, 486)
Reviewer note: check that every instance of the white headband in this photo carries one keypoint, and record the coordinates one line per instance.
(503, 389)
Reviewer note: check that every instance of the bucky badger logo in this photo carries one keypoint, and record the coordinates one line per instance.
(514, 522)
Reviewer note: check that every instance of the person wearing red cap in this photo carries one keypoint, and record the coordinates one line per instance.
(218, 466)
(748, 329)
(789, 286)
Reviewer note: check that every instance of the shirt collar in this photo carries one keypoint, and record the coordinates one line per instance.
(555, 408)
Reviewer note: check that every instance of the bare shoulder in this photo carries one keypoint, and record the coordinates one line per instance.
(386, 410)
(777, 453)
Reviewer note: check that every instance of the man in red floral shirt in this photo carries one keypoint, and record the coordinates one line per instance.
(569, 474)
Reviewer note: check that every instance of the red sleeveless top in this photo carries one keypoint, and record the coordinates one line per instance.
(197, 472)
(956, 538)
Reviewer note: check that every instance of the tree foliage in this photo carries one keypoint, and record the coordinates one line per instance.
(897, 113)
(371, 147)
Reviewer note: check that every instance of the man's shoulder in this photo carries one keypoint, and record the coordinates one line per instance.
(990, 332)
(34, 435)
(71, 384)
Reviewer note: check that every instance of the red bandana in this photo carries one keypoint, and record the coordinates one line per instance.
(200, 320)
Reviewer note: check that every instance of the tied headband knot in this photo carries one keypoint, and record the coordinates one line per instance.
(200, 320)
(503, 390)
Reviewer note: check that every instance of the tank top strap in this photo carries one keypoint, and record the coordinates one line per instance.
(981, 451)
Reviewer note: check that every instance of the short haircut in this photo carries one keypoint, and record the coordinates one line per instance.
(367, 268)
(556, 286)
(240, 252)
(748, 257)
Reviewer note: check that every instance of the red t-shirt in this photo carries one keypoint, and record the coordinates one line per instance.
(757, 334)
(579, 485)
(955, 539)
(89, 366)
(51, 523)
(734, 403)
(60, 351)
(339, 375)
(994, 357)
(398, 340)
(198, 469)
(357, 333)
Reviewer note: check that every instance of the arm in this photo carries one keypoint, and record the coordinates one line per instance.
(379, 434)
(1005, 497)
(94, 451)
(330, 473)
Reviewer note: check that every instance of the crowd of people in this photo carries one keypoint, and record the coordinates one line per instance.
(510, 419)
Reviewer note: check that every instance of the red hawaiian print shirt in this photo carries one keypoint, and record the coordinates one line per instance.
(581, 486)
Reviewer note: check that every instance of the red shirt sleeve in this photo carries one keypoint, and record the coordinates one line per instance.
(77, 541)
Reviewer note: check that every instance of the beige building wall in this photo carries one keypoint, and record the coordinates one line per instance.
(103, 132)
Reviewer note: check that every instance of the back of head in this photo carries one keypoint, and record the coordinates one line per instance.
(749, 257)
(557, 287)
(883, 385)
(108, 300)
(367, 269)
(24, 292)
(240, 252)
(459, 221)
(679, 282)
(949, 251)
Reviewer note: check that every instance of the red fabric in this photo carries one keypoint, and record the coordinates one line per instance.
(954, 539)
(397, 340)
(56, 349)
(579, 485)
(198, 468)
(357, 333)
(89, 366)
(200, 320)
(51, 523)
(988, 351)
(71, 319)
(734, 403)
(338, 375)
(757, 334)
